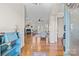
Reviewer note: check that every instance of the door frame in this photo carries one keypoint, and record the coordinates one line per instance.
(67, 30)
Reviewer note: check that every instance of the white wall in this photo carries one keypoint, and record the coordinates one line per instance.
(10, 16)
(35, 23)
(34, 12)
(53, 29)
(60, 26)
(56, 11)
(74, 38)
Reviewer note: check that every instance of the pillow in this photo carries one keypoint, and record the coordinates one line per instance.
(10, 36)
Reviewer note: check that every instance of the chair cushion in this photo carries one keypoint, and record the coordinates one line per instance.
(10, 36)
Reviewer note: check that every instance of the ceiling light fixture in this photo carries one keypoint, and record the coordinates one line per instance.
(36, 3)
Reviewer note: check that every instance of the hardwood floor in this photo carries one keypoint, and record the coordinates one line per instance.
(55, 49)
(26, 50)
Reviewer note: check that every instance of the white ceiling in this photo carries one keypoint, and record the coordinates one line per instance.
(42, 10)
(34, 11)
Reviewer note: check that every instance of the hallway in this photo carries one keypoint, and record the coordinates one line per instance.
(54, 49)
(46, 25)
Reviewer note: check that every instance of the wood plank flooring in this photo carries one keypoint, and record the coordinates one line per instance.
(54, 49)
